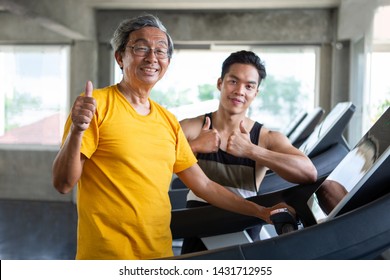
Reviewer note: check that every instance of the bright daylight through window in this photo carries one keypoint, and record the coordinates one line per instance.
(33, 94)
(378, 97)
(189, 87)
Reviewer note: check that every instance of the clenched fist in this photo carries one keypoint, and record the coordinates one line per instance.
(83, 109)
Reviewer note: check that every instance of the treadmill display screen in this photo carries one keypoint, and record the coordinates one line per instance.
(357, 166)
(303, 130)
(325, 127)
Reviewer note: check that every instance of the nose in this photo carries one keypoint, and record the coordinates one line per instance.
(151, 56)
(240, 90)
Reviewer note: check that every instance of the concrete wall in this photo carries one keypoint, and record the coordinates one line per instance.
(26, 174)
(261, 26)
(355, 25)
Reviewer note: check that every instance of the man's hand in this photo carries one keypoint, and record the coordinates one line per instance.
(83, 109)
(239, 142)
(279, 206)
(208, 141)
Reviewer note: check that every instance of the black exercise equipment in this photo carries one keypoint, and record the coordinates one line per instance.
(355, 229)
(306, 127)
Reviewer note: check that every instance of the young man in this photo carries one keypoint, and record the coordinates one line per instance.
(121, 148)
(234, 150)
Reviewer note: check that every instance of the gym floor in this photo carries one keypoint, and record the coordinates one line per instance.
(37, 230)
(44, 230)
(40, 230)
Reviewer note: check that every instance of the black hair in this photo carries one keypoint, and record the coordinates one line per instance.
(244, 57)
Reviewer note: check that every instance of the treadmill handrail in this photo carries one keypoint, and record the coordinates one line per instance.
(210, 220)
(360, 235)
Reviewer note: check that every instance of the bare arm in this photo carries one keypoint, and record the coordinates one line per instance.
(217, 195)
(68, 164)
(276, 153)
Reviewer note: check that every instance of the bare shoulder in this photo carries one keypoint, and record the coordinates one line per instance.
(272, 139)
(192, 122)
(192, 126)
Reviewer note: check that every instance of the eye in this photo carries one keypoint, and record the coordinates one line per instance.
(161, 51)
(141, 49)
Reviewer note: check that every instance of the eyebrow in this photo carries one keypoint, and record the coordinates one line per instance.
(146, 41)
(236, 78)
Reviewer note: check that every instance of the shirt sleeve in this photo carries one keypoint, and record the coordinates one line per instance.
(90, 138)
(185, 158)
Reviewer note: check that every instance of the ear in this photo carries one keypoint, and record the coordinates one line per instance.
(219, 84)
(118, 58)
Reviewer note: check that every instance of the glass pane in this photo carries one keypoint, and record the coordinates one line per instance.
(290, 86)
(380, 87)
(33, 95)
(189, 88)
(378, 97)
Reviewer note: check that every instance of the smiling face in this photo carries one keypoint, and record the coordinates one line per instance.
(144, 70)
(238, 88)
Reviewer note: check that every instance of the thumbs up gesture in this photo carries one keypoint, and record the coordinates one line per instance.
(239, 142)
(208, 140)
(83, 109)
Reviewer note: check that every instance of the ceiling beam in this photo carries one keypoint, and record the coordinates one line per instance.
(43, 21)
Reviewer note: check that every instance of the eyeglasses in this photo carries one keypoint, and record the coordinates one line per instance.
(143, 51)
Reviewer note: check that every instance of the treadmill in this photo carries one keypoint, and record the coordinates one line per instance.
(347, 224)
(306, 127)
(325, 146)
(294, 124)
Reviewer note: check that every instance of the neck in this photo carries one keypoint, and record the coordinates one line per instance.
(138, 100)
(226, 122)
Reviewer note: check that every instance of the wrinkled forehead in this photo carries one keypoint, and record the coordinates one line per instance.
(149, 35)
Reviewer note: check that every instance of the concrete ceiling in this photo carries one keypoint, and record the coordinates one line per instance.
(26, 9)
(209, 4)
(202, 4)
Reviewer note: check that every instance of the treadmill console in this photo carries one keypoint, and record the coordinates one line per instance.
(361, 177)
(329, 131)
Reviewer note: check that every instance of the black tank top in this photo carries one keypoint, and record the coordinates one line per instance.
(235, 173)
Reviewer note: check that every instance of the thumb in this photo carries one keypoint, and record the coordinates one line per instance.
(242, 128)
(88, 89)
(207, 124)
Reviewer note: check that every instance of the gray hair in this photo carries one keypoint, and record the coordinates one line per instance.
(121, 34)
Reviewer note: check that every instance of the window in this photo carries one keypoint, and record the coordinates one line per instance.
(379, 86)
(33, 94)
(290, 86)
(189, 87)
(378, 98)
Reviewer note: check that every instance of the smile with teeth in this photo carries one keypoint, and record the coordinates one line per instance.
(149, 70)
